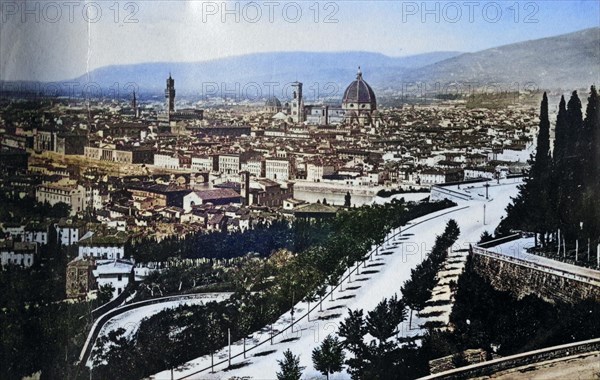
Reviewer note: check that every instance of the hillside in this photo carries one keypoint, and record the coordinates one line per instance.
(307, 67)
(567, 61)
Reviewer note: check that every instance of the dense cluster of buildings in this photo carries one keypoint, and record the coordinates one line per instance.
(144, 168)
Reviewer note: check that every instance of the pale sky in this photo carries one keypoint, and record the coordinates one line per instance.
(59, 40)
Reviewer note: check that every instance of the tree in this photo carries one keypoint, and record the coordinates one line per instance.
(290, 367)
(452, 230)
(114, 353)
(329, 357)
(352, 330)
(485, 237)
(382, 321)
(347, 199)
(105, 293)
(60, 210)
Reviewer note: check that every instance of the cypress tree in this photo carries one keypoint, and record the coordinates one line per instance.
(559, 167)
(590, 150)
(543, 139)
(571, 174)
(531, 205)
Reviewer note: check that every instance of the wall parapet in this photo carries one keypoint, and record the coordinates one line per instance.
(537, 356)
(537, 266)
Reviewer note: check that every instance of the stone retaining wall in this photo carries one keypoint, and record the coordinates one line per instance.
(494, 366)
(521, 280)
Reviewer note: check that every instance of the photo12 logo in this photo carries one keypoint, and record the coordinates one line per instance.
(269, 11)
(69, 11)
(470, 11)
(255, 91)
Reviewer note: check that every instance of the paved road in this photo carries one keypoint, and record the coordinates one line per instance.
(518, 250)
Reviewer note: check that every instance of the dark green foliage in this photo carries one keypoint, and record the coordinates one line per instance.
(416, 291)
(484, 317)
(263, 239)
(329, 357)
(105, 293)
(118, 350)
(39, 332)
(17, 209)
(382, 321)
(43, 337)
(352, 329)
(382, 359)
(561, 191)
(290, 367)
(347, 200)
(485, 237)
(388, 193)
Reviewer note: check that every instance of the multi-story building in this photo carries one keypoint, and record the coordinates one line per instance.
(129, 155)
(277, 169)
(202, 163)
(116, 273)
(93, 200)
(68, 231)
(108, 245)
(17, 253)
(80, 279)
(166, 161)
(265, 192)
(254, 166)
(229, 163)
(36, 233)
(315, 170)
(148, 196)
(44, 139)
(72, 195)
(433, 177)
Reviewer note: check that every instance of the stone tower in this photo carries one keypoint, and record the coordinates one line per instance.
(297, 104)
(170, 95)
(245, 187)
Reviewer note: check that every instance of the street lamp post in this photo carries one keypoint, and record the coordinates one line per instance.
(484, 214)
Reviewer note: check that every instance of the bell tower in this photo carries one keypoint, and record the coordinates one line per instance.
(297, 104)
(245, 187)
(170, 95)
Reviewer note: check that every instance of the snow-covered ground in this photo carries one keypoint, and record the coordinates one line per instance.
(383, 276)
(516, 155)
(131, 320)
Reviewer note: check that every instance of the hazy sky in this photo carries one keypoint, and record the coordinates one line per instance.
(57, 40)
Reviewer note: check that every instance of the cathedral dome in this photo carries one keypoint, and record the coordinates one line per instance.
(359, 95)
(272, 105)
(273, 102)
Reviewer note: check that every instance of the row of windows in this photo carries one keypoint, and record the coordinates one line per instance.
(60, 198)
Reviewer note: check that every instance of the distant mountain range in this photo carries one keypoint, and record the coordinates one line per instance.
(569, 61)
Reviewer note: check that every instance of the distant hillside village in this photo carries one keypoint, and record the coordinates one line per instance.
(118, 171)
